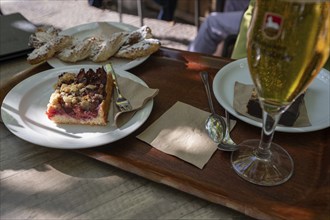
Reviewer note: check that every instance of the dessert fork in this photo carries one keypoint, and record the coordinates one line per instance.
(122, 103)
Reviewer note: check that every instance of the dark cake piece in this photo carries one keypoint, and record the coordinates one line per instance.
(288, 117)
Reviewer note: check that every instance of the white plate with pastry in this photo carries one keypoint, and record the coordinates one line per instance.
(317, 98)
(96, 31)
(23, 112)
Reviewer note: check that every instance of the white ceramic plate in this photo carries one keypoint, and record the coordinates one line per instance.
(23, 112)
(317, 99)
(99, 29)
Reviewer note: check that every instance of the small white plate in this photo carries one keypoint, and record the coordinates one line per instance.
(23, 111)
(99, 29)
(317, 99)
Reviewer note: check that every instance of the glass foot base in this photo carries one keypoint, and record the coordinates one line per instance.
(270, 171)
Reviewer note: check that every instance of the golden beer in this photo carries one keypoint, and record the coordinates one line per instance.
(288, 43)
(287, 47)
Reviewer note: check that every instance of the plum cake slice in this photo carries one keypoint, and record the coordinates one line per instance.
(82, 98)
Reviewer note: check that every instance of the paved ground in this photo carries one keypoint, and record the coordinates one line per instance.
(68, 13)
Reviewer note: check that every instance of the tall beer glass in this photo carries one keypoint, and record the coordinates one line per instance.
(288, 43)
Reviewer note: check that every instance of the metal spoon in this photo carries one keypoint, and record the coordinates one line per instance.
(227, 142)
(215, 124)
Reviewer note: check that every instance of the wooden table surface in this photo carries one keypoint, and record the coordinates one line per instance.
(39, 182)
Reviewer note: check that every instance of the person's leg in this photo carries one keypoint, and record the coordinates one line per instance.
(215, 29)
(167, 9)
(171, 10)
(236, 5)
(219, 49)
(95, 3)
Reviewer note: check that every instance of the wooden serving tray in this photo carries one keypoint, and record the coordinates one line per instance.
(176, 73)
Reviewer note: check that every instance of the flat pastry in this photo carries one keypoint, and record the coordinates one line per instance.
(48, 43)
(140, 49)
(104, 49)
(49, 49)
(80, 50)
(43, 35)
(82, 98)
(138, 35)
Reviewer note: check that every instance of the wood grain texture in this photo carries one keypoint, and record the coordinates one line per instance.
(304, 196)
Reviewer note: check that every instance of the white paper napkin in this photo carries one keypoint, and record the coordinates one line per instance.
(180, 132)
(136, 93)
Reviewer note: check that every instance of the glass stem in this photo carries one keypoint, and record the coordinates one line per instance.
(269, 122)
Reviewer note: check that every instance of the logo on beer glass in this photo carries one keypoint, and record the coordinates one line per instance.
(272, 25)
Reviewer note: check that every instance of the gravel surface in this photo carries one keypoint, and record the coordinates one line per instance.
(64, 14)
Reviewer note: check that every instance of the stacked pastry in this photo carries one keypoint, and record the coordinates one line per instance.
(49, 43)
